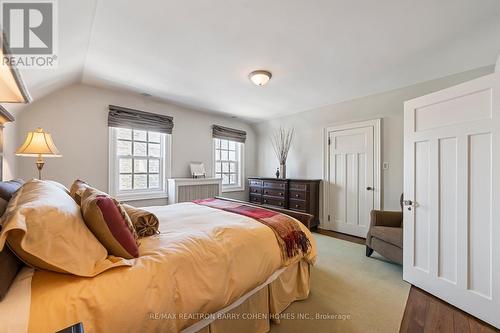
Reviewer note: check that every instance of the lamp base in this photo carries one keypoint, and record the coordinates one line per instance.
(39, 165)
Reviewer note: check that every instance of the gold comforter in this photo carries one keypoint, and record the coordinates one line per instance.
(203, 260)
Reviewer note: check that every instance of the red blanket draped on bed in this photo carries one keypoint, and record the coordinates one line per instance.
(292, 240)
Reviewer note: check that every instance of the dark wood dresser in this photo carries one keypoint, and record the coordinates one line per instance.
(300, 195)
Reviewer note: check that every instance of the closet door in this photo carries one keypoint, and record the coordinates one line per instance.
(452, 197)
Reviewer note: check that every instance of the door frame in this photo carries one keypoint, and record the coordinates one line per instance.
(377, 154)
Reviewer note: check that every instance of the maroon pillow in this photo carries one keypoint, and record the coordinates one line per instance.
(110, 224)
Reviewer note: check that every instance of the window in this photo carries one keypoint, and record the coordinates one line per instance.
(229, 164)
(138, 163)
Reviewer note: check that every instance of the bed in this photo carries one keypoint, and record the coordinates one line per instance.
(208, 270)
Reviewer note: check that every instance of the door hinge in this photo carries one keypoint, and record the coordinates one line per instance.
(328, 217)
(329, 141)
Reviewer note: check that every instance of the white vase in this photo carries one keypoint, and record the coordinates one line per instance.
(283, 171)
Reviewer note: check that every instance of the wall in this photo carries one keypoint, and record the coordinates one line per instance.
(76, 116)
(306, 155)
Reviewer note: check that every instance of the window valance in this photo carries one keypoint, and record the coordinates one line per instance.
(221, 132)
(129, 118)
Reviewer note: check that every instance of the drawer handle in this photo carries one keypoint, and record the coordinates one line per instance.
(265, 201)
(281, 193)
(281, 204)
(265, 192)
(297, 206)
(297, 195)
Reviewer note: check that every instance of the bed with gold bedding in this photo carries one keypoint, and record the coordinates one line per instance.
(205, 261)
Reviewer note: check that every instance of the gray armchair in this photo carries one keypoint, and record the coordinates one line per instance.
(386, 234)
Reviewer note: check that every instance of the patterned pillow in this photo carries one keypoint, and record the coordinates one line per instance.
(77, 189)
(109, 222)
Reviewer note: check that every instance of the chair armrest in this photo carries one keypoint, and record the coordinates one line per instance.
(386, 219)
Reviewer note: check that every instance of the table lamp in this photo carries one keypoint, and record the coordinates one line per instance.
(38, 144)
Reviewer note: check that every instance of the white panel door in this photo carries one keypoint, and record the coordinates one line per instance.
(452, 181)
(350, 184)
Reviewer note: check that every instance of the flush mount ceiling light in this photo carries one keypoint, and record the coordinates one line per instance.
(260, 77)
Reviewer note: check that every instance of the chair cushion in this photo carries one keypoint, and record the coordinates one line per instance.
(390, 235)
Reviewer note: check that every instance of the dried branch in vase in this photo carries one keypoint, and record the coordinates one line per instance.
(281, 141)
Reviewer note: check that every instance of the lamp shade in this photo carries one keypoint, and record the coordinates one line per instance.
(12, 89)
(38, 143)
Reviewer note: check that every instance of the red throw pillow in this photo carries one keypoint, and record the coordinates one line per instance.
(109, 222)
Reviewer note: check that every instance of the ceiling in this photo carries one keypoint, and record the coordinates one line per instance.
(198, 53)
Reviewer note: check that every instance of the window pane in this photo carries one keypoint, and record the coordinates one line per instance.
(125, 165)
(232, 145)
(154, 166)
(217, 155)
(139, 149)
(218, 175)
(140, 166)
(224, 144)
(217, 143)
(124, 133)
(140, 135)
(225, 179)
(232, 156)
(124, 148)
(125, 182)
(232, 179)
(154, 150)
(225, 155)
(154, 181)
(232, 167)
(225, 167)
(154, 137)
(218, 167)
(140, 182)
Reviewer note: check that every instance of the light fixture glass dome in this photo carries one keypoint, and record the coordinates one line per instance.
(260, 77)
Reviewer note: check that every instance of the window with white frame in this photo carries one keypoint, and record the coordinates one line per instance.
(138, 163)
(229, 164)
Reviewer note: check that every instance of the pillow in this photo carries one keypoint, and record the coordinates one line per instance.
(9, 263)
(145, 223)
(109, 222)
(44, 227)
(77, 189)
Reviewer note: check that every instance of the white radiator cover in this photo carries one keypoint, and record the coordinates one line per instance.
(497, 67)
(189, 189)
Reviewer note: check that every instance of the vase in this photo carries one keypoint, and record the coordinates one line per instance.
(283, 171)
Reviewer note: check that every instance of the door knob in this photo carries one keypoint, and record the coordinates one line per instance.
(369, 188)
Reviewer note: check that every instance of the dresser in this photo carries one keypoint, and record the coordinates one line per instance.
(300, 195)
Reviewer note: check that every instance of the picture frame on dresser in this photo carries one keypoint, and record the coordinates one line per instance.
(300, 195)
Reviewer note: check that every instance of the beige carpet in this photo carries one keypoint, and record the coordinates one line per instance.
(369, 292)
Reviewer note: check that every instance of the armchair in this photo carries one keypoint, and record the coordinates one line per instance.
(386, 234)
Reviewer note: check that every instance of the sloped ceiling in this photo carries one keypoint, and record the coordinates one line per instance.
(198, 53)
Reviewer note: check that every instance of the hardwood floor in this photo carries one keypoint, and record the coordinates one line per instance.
(334, 234)
(425, 313)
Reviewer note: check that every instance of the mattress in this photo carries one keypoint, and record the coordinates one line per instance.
(204, 260)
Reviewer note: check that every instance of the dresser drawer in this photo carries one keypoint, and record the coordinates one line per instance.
(255, 182)
(299, 186)
(273, 202)
(298, 205)
(274, 193)
(275, 184)
(298, 195)
(255, 190)
(255, 198)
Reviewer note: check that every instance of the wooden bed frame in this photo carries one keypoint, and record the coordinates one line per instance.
(304, 218)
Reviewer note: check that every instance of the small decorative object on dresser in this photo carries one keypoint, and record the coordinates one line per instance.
(282, 141)
(300, 195)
